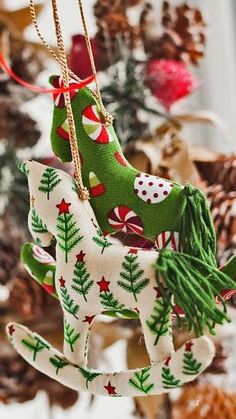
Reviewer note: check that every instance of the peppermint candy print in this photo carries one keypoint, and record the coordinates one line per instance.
(167, 237)
(93, 126)
(63, 130)
(124, 219)
(226, 295)
(41, 256)
(59, 98)
(151, 189)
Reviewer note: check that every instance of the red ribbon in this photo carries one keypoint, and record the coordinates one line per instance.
(73, 86)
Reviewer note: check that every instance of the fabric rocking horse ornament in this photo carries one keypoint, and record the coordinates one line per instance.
(87, 284)
(125, 200)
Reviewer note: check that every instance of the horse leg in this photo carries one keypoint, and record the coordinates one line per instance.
(76, 334)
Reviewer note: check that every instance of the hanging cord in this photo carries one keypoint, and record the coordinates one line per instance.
(108, 118)
(82, 190)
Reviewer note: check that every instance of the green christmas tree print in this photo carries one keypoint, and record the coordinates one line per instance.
(101, 241)
(109, 302)
(81, 280)
(190, 364)
(49, 181)
(67, 233)
(36, 223)
(71, 337)
(168, 379)
(159, 322)
(88, 375)
(140, 381)
(106, 296)
(68, 303)
(35, 345)
(132, 276)
(58, 363)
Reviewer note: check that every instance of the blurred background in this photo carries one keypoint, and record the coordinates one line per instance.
(167, 72)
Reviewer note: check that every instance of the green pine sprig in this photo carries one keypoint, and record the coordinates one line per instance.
(168, 379)
(101, 241)
(159, 322)
(68, 303)
(68, 234)
(35, 345)
(36, 223)
(88, 375)
(58, 363)
(110, 302)
(139, 382)
(132, 276)
(71, 337)
(190, 364)
(49, 181)
(81, 280)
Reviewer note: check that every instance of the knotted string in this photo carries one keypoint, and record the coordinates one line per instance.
(82, 190)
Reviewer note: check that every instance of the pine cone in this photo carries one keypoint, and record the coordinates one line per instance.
(222, 171)
(25, 62)
(180, 35)
(218, 365)
(27, 298)
(18, 380)
(11, 239)
(114, 31)
(19, 383)
(223, 212)
(103, 7)
(58, 394)
(17, 127)
(204, 401)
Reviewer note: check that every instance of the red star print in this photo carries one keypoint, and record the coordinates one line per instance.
(167, 361)
(80, 256)
(88, 319)
(110, 389)
(63, 207)
(11, 330)
(62, 282)
(157, 289)
(104, 285)
(188, 346)
(133, 251)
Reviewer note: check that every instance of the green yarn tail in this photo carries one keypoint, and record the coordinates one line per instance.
(194, 285)
(195, 225)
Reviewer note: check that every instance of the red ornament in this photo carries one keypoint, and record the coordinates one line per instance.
(63, 207)
(79, 58)
(62, 282)
(110, 389)
(104, 285)
(89, 319)
(170, 80)
(80, 256)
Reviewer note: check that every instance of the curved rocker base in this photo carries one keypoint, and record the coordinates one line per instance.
(184, 366)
